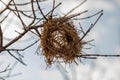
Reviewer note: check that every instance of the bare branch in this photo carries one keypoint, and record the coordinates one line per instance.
(75, 8)
(27, 3)
(1, 37)
(53, 8)
(24, 48)
(6, 69)
(97, 55)
(91, 26)
(5, 5)
(24, 26)
(16, 58)
(48, 13)
(17, 38)
(81, 28)
(41, 11)
(89, 16)
(5, 17)
(33, 14)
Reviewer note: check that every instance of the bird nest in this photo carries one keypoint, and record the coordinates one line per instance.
(60, 41)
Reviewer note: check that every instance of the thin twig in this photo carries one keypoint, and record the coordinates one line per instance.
(6, 69)
(17, 38)
(24, 26)
(1, 38)
(19, 55)
(41, 11)
(23, 13)
(72, 16)
(16, 58)
(32, 5)
(24, 48)
(26, 3)
(28, 16)
(75, 8)
(97, 55)
(91, 26)
(8, 75)
(86, 57)
(24, 10)
(53, 8)
(5, 5)
(5, 17)
(64, 19)
(21, 35)
(81, 28)
(38, 33)
(89, 16)
(48, 13)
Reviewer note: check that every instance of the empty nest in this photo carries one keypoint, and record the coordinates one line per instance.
(59, 38)
(60, 41)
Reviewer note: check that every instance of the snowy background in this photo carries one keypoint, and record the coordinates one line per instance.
(107, 41)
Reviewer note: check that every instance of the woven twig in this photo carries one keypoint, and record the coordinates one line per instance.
(60, 41)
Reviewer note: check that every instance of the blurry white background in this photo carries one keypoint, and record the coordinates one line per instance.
(107, 41)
